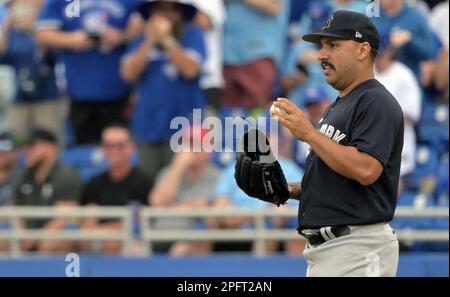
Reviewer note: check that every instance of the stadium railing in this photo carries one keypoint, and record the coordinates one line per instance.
(259, 233)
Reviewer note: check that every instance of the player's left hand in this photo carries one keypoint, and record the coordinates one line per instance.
(294, 119)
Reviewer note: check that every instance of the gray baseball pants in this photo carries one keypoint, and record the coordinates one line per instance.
(368, 251)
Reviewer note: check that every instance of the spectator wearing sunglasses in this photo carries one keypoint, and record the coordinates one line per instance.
(121, 185)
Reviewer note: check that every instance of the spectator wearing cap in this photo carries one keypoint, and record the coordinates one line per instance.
(165, 65)
(409, 31)
(91, 37)
(255, 35)
(301, 68)
(399, 80)
(37, 101)
(211, 17)
(122, 184)
(186, 183)
(46, 182)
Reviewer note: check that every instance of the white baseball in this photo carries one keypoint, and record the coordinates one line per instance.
(273, 108)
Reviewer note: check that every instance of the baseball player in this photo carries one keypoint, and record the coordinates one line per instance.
(349, 191)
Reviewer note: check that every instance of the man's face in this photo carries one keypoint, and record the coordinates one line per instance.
(117, 146)
(168, 10)
(339, 61)
(37, 152)
(7, 159)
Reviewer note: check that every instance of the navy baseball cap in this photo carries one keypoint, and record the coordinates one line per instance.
(348, 25)
(8, 142)
(314, 95)
(146, 8)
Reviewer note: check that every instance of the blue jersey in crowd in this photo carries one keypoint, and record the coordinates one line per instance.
(34, 69)
(423, 45)
(91, 75)
(250, 35)
(163, 93)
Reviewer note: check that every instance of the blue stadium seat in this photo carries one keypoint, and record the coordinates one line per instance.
(431, 133)
(418, 201)
(433, 113)
(427, 164)
(441, 193)
(87, 160)
(434, 126)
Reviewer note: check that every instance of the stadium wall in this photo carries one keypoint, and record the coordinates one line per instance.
(411, 265)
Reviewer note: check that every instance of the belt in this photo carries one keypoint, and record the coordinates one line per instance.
(319, 236)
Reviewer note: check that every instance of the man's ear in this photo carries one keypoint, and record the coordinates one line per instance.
(364, 51)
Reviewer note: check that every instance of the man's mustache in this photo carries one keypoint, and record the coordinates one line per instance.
(327, 64)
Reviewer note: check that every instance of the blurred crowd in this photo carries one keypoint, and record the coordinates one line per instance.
(88, 89)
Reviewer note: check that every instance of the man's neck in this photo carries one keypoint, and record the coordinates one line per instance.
(120, 172)
(356, 83)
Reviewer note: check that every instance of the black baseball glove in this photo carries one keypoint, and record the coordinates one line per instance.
(257, 172)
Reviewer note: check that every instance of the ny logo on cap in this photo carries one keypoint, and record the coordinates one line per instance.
(328, 23)
(358, 35)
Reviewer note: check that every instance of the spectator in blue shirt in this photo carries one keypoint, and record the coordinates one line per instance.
(409, 31)
(255, 35)
(91, 36)
(165, 64)
(37, 100)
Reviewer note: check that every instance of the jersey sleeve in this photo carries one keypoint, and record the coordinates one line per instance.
(51, 15)
(194, 44)
(376, 126)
